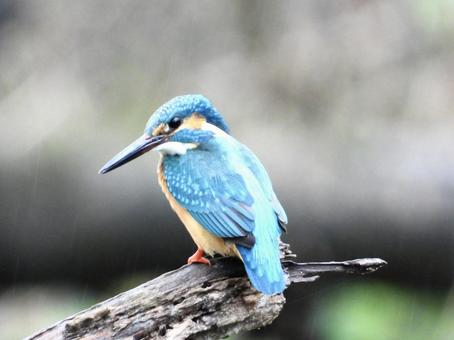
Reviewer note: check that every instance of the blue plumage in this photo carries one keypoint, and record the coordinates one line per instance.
(216, 185)
(204, 182)
(227, 190)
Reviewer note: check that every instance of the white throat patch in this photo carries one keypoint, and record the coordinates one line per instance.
(175, 148)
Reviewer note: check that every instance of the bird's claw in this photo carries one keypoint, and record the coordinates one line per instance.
(198, 258)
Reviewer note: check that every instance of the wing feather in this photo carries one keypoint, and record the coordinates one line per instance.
(260, 173)
(216, 197)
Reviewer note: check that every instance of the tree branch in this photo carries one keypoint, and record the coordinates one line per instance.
(194, 301)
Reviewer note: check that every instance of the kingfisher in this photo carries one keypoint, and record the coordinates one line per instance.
(217, 187)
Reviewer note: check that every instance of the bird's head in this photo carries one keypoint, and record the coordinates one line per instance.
(182, 123)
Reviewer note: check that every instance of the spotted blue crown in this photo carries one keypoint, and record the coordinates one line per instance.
(185, 106)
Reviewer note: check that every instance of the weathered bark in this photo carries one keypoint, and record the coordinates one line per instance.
(195, 302)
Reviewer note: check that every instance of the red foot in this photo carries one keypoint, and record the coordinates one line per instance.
(198, 257)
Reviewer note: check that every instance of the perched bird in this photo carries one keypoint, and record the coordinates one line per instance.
(217, 187)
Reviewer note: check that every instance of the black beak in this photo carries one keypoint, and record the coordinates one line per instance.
(135, 149)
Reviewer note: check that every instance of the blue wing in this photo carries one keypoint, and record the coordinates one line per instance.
(227, 191)
(260, 173)
(206, 184)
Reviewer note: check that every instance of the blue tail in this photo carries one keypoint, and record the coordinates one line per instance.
(263, 267)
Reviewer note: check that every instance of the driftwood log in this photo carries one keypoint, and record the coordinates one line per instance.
(194, 302)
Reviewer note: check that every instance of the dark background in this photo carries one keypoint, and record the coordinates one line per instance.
(348, 104)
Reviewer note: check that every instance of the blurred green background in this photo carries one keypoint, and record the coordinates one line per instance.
(349, 104)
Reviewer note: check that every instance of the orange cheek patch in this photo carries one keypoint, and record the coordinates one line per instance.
(195, 121)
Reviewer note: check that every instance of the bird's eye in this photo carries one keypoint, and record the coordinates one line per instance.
(174, 123)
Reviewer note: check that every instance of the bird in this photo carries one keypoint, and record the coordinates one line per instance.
(217, 187)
